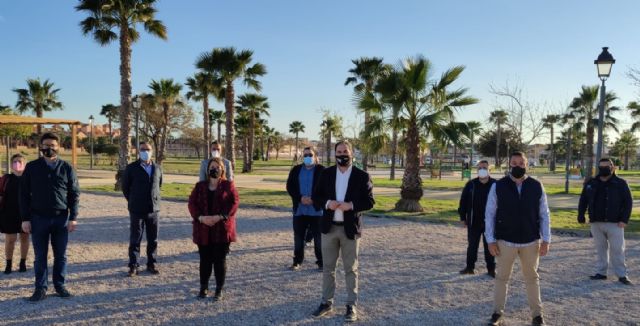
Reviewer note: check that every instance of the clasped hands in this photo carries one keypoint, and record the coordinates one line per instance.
(210, 220)
(343, 206)
(306, 200)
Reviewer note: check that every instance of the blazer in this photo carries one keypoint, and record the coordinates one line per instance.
(293, 184)
(141, 191)
(359, 192)
(225, 201)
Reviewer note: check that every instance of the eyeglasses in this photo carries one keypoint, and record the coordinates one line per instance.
(308, 155)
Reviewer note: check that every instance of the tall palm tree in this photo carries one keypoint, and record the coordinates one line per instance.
(365, 75)
(110, 111)
(166, 93)
(105, 17)
(38, 97)
(216, 117)
(634, 110)
(331, 126)
(426, 104)
(241, 125)
(549, 122)
(227, 65)
(256, 106)
(296, 127)
(474, 128)
(201, 86)
(585, 108)
(499, 118)
(626, 145)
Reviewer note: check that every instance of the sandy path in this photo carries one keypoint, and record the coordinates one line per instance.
(408, 276)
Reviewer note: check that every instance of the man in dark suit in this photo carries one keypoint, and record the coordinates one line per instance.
(141, 187)
(344, 191)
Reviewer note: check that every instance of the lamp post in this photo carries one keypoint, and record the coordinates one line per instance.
(91, 140)
(136, 106)
(604, 63)
(570, 119)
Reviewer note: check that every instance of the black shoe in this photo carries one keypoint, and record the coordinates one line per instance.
(153, 270)
(203, 293)
(7, 269)
(351, 315)
(62, 292)
(468, 271)
(133, 271)
(537, 321)
(625, 280)
(496, 319)
(295, 267)
(38, 295)
(492, 273)
(323, 309)
(598, 277)
(218, 296)
(23, 266)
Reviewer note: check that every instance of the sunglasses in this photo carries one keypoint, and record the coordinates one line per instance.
(308, 155)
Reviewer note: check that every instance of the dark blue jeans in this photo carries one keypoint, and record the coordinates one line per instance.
(43, 229)
(473, 237)
(300, 226)
(140, 222)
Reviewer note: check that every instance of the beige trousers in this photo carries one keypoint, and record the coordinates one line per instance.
(529, 258)
(334, 244)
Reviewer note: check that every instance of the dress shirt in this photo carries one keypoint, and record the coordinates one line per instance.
(342, 182)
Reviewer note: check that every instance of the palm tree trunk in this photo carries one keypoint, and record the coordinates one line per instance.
(125, 102)
(328, 147)
(163, 138)
(626, 159)
(364, 149)
(252, 134)
(394, 151)
(589, 152)
(552, 164)
(229, 140)
(498, 136)
(411, 191)
(295, 158)
(219, 131)
(110, 132)
(38, 110)
(246, 156)
(205, 126)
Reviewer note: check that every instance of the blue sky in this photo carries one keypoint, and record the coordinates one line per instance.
(548, 47)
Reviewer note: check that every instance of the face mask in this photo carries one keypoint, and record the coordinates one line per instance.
(145, 155)
(49, 152)
(17, 166)
(483, 173)
(215, 154)
(214, 173)
(604, 171)
(343, 160)
(518, 172)
(308, 160)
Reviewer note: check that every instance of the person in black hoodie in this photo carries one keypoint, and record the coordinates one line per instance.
(608, 200)
(473, 202)
(10, 220)
(300, 183)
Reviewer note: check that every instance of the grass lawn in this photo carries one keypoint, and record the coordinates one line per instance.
(439, 211)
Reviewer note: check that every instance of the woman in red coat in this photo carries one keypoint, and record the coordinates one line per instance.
(213, 205)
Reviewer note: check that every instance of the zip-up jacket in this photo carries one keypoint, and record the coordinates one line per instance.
(617, 200)
(470, 193)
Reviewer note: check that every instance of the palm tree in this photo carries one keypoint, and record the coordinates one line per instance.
(626, 146)
(549, 122)
(166, 93)
(123, 16)
(110, 111)
(331, 126)
(425, 104)
(585, 108)
(365, 75)
(474, 128)
(241, 124)
(38, 97)
(256, 105)
(227, 65)
(201, 86)
(296, 127)
(499, 118)
(216, 117)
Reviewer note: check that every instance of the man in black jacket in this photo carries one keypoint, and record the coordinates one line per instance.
(608, 200)
(300, 183)
(49, 195)
(344, 191)
(141, 184)
(473, 202)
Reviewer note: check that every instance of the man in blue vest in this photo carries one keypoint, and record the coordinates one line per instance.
(516, 218)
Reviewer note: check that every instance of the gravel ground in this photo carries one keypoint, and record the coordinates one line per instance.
(408, 276)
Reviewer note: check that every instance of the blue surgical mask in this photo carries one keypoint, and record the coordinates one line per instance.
(145, 155)
(308, 160)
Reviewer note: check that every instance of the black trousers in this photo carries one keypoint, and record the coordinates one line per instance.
(473, 237)
(140, 222)
(300, 226)
(213, 257)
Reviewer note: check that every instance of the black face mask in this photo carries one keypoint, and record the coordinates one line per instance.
(343, 160)
(49, 152)
(604, 171)
(214, 173)
(518, 172)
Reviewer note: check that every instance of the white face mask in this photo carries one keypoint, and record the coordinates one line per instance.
(215, 154)
(483, 173)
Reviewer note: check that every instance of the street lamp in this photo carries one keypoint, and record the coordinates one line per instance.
(137, 101)
(91, 140)
(604, 63)
(570, 120)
